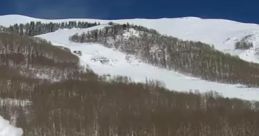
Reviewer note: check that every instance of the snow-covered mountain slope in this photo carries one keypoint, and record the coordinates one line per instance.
(222, 34)
(105, 61)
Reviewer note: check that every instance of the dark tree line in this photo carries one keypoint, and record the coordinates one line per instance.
(195, 58)
(244, 43)
(37, 28)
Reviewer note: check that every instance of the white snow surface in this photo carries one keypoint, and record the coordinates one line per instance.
(6, 129)
(103, 61)
(222, 34)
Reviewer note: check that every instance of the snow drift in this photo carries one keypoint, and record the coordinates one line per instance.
(6, 129)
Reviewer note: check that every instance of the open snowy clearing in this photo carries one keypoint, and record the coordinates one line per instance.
(105, 61)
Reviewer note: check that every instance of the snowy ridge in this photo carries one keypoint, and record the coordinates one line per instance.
(222, 34)
(105, 61)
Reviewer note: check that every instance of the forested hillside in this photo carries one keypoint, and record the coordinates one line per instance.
(194, 58)
(80, 103)
(35, 57)
(96, 107)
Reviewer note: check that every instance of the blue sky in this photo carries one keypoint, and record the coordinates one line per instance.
(239, 10)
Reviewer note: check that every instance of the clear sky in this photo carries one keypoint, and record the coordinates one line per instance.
(239, 10)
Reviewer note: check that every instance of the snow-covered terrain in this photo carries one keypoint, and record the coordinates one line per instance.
(6, 129)
(14, 102)
(105, 61)
(222, 34)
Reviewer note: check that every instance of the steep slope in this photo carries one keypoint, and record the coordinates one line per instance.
(25, 64)
(194, 58)
(222, 34)
(92, 106)
(103, 60)
(35, 57)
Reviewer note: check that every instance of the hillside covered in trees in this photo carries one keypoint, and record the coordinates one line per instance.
(35, 57)
(80, 103)
(195, 58)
